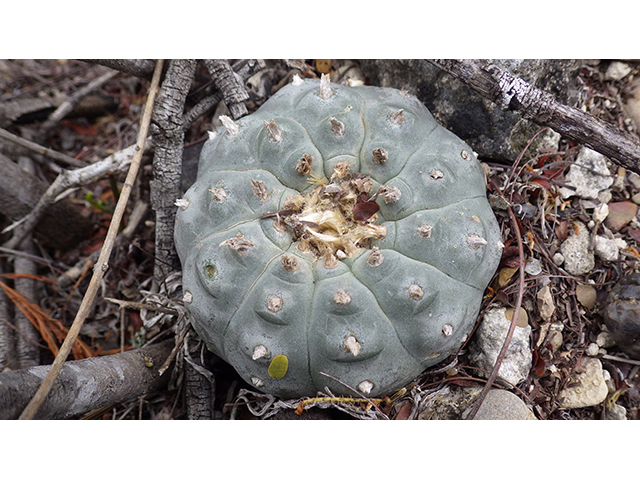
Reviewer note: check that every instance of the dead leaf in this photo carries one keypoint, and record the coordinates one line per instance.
(523, 317)
(546, 307)
(539, 364)
(404, 412)
(504, 276)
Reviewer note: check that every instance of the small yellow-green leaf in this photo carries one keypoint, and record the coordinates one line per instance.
(278, 367)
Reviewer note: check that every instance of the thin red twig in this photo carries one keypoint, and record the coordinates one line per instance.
(514, 319)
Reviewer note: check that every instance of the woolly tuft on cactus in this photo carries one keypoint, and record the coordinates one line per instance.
(336, 233)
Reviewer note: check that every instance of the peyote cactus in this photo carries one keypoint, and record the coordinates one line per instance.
(336, 232)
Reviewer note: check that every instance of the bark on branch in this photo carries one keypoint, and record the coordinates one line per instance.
(512, 93)
(226, 81)
(137, 67)
(167, 162)
(86, 385)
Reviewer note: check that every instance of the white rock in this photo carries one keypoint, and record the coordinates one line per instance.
(605, 196)
(600, 212)
(488, 342)
(534, 267)
(621, 244)
(617, 412)
(578, 260)
(634, 178)
(605, 340)
(590, 387)
(617, 71)
(606, 248)
(558, 258)
(588, 174)
(593, 349)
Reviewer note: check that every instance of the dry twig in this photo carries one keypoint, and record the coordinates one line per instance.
(514, 319)
(102, 264)
(68, 105)
(47, 152)
(142, 68)
(68, 179)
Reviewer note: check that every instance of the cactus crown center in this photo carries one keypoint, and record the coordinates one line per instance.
(336, 219)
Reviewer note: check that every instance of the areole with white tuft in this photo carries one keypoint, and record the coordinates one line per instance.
(397, 117)
(274, 133)
(337, 126)
(232, 127)
(325, 92)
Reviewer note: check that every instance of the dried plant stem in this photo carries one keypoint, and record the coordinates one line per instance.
(102, 263)
(142, 68)
(47, 152)
(512, 327)
(68, 179)
(72, 101)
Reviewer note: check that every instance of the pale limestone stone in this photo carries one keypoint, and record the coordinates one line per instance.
(591, 388)
(502, 405)
(578, 260)
(488, 342)
(588, 174)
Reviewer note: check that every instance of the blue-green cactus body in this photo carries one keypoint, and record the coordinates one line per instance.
(274, 283)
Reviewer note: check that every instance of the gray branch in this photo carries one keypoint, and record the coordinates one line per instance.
(167, 162)
(136, 67)
(86, 385)
(69, 104)
(47, 200)
(228, 82)
(512, 93)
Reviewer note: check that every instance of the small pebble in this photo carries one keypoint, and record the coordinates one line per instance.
(606, 248)
(558, 259)
(586, 295)
(593, 349)
(600, 212)
(605, 340)
(502, 405)
(617, 412)
(555, 338)
(621, 314)
(588, 174)
(617, 71)
(620, 214)
(545, 303)
(587, 388)
(578, 260)
(534, 267)
(488, 341)
(523, 317)
(634, 179)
